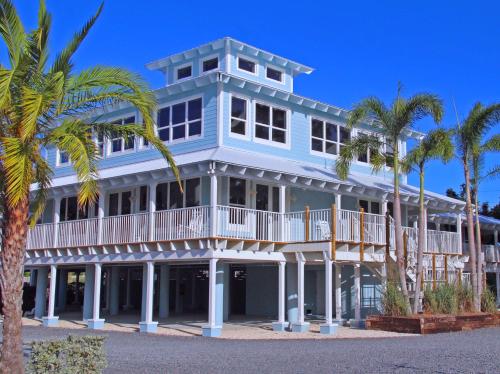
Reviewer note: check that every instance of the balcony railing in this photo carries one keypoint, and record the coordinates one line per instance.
(232, 223)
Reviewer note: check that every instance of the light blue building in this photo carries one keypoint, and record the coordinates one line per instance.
(253, 234)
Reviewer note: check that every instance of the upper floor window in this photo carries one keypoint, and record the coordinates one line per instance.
(270, 123)
(69, 210)
(328, 137)
(184, 72)
(210, 64)
(180, 121)
(238, 116)
(247, 65)
(274, 74)
(63, 158)
(170, 196)
(120, 144)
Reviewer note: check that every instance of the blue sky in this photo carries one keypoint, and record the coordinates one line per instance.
(358, 48)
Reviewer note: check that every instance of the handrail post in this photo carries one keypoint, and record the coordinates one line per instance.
(100, 216)
(56, 219)
(333, 213)
(213, 204)
(307, 223)
(446, 268)
(152, 210)
(433, 271)
(387, 237)
(361, 234)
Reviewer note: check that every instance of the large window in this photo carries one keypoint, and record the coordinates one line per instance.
(270, 123)
(327, 137)
(120, 144)
(180, 121)
(237, 192)
(238, 116)
(69, 210)
(170, 196)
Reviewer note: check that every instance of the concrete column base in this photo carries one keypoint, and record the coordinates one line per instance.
(95, 324)
(148, 327)
(50, 321)
(357, 323)
(212, 331)
(300, 327)
(328, 329)
(279, 326)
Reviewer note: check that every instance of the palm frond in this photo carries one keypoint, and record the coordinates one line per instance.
(12, 31)
(369, 108)
(17, 165)
(354, 148)
(43, 178)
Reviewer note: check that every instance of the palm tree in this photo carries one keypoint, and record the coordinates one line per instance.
(44, 106)
(436, 144)
(392, 123)
(485, 118)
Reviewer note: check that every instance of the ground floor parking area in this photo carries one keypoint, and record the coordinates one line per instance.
(466, 352)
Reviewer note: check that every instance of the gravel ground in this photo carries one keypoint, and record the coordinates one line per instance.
(466, 352)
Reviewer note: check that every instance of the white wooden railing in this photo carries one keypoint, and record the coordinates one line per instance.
(443, 242)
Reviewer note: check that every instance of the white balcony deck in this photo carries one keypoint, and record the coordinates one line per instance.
(230, 223)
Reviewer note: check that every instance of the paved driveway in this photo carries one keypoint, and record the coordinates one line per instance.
(468, 352)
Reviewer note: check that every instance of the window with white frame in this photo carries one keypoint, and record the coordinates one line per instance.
(327, 137)
(247, 65)
(274, 74)
(365, 157)
(70, 211)
(270, 123)
(180, 121)
(63, 158)
(120, 144)
(184, 72)
(238, 116)
(170, 196)
(210, 64)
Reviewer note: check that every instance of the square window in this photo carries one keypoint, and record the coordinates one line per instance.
(279, 136)
(179, 132)
(246, 65)
(331, 132)
(179, 113)
(262, 132)
(279, 118)
(317, 145)
(63, 157)
(163, 117)
(238, 127)
(164, 134)
(262, 113)
(317, 128)
(195, 128)
(331, 148)
(345, 135)
(184, 72)
(274, 74)
(194, 109)
(210, 64)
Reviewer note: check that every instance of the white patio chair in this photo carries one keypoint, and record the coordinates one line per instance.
(323, 230)
(195, 227)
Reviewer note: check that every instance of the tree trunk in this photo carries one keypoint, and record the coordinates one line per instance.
(478, 245)
(11, 283)
(421, 244)
(470, 235)
(398, 235)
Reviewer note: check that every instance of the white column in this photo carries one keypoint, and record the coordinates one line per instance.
(301, 325)
(329, 327)
(100, 215)
(338, 293)
(438, 226)
(212, 282)
(281, 324)
(213, 205)
(338, 201)
(96, 322)
(148, 325)
(384, 207)
(357, 298)
(50, 320)
(152, 209)
(56, 218)
(282, 210)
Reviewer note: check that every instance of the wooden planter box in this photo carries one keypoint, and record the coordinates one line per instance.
(432, 324)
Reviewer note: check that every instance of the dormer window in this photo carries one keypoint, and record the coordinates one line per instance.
(247, 65)
(210, 64)
(274, 74)
(184, 72)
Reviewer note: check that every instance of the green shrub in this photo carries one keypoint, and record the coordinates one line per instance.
(488, 301)
(442, 300)
(465, 298)
(76, 354)
(393, 301)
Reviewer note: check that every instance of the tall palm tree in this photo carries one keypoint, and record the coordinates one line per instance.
(436, 144)
(392, 123)
(46, 105)
(485, 118)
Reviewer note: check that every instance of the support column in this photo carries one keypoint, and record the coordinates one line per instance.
(41, 291)
(62, 290)
(100, 215)
(329, 327)
(164, 290)
(357, 322)
(50, 320)
(338, 201)
(282, 210)
(88, 292)
(291, 295)
(213, 204)
(338, 294)
(147, 325)
(226, 270)
(301, 325)
(96, 323)
(215, 299)
(152, 210)
(56, 218)
(114, 302)
(281, 324)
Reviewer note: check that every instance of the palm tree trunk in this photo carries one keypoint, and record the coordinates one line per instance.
(478, 244)
(421, 239)
(470, 235)
(11, 283)
(399, 230)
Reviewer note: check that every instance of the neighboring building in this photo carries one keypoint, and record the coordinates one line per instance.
(253, 233)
